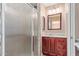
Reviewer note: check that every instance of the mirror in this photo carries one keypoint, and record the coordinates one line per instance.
(54, 21)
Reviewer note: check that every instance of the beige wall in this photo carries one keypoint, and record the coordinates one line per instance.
(63, 31)
(77, 20)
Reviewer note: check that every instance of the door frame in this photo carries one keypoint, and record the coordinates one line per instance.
(71, 30)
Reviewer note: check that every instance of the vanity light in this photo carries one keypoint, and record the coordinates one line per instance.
(49, 12)
(54, 11)
(57, 10)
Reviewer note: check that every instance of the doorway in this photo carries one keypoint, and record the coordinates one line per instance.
(51, 37)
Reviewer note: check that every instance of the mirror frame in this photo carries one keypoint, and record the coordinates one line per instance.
(60, 14)
(43, 20)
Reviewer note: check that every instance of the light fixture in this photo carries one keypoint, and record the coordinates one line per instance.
(49, 12)
(54, 11)
(57, 10)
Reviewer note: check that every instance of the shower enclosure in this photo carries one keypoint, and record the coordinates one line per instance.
(21, 29)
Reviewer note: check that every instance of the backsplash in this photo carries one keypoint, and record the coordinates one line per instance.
(54, 34)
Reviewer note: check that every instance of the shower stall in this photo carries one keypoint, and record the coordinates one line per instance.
(21, 29)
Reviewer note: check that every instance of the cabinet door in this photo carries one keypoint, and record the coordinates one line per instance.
(52, 47)
(61, 46)
(45, 45)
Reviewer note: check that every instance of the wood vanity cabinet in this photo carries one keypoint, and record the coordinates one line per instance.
(45, 45)
(61, 46)
(54, 46)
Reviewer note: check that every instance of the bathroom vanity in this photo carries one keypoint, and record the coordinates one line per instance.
(54, 46)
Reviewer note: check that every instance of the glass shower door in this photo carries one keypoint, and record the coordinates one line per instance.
(18, 29)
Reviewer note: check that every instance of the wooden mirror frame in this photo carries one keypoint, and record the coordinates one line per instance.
(43, 23)
(60, 14)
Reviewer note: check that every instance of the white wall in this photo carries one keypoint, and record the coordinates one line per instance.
(63, 31)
